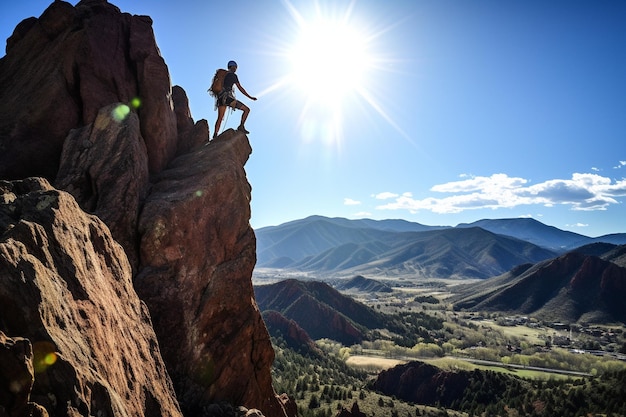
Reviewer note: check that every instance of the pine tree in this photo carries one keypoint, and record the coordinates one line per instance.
(314, 402)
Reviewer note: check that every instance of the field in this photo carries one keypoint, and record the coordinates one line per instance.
(372, 363)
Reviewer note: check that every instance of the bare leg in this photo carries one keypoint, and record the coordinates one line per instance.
(220, 115)
(246, 110)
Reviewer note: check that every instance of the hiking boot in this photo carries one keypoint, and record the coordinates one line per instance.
(242, 129)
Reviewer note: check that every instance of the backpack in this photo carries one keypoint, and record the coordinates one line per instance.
(218, 82)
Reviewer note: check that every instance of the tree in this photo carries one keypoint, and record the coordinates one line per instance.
(314, 402)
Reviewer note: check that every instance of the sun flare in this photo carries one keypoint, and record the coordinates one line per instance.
(330, 63)
(329, 56)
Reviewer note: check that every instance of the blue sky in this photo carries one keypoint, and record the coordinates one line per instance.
(438, 112)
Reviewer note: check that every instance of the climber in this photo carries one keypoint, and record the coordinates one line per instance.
(226, 97)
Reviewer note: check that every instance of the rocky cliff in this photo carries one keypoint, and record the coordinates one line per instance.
(67, 298)
(126, 253)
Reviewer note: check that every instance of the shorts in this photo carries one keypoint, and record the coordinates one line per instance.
(229, 100)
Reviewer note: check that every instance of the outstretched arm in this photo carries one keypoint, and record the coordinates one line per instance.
(245, 93)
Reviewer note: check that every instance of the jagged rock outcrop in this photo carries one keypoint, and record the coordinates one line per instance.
(87, 104)
(81, 337)
(104, 165)
(197, 257)
(62, 68)
(16, 378)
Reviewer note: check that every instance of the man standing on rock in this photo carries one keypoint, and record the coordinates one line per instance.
(227, 98)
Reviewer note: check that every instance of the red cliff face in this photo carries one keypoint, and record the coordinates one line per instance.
(86, 343)
(197, 256)
(179, 209)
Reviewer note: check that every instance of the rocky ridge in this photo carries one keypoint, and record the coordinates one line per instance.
(126, 253)
(570, 288)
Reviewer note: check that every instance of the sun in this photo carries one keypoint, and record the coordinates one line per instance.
(331, 62)
(329, 55)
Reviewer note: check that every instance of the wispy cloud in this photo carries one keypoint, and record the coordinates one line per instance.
(581, 192)
(350, 202)
(384, 196)
(577, 225)
(620, 164)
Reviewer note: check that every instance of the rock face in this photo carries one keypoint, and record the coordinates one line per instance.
(87, 106)
(85, 57)
(197, 257)
(86, 342)
(113, 187)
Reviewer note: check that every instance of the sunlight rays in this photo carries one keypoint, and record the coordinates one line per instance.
(329, 62)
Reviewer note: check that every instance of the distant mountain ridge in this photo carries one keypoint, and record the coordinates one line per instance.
(478, 250)
(319, 309)
(570, 288)
(301, 238)
(361, 284)
(532, 231)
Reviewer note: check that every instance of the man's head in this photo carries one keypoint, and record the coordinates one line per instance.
(232, 65)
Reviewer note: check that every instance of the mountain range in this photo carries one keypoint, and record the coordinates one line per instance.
(574, 287)
(481, 249)
(298, 311)
(569, 288)
(319, 309)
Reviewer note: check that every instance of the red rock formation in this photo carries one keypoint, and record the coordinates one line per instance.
(67, 289)
(185, 229)
(189, 134)
(422, 383)
(16, 377)
(197, 257)
(294, 335)
(61, 69)
(105, 167)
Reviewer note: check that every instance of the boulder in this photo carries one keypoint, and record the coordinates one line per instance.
(67, 292)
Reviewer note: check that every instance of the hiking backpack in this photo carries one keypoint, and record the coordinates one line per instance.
(218, 82)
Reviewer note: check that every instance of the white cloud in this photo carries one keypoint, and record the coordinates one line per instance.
(495, 182)
(350, 202)
(362, 214)
(582, 192)
(384, 196)
(577, 225)
(621, 164)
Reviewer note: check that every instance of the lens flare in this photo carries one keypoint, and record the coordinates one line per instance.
(135, 103)
(50, 359)
(44, 356)
(120, 113)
